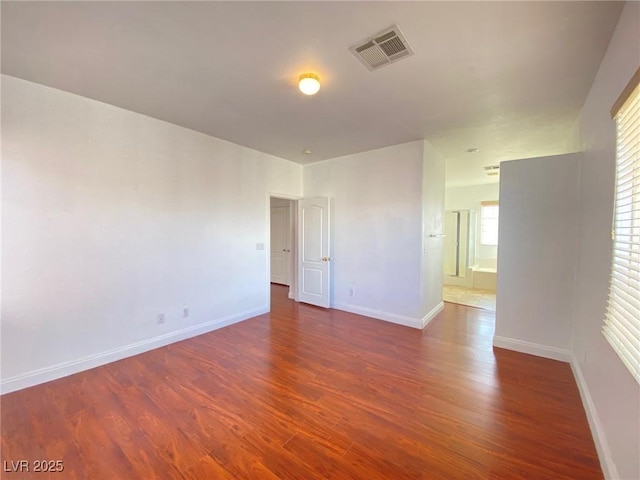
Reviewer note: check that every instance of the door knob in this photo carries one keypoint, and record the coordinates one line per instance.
(284, 249)
(326, 259)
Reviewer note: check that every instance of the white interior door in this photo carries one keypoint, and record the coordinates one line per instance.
(280, 248)
(314, 258)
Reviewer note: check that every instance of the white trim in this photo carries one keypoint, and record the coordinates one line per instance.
(283, 196)
(426, 320)
(536, 349)
(602, 446)
(419, 323)
(64, 369)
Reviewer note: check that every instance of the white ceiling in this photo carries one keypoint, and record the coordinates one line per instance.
(506, 77)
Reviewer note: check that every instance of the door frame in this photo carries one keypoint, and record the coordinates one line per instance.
(293, 264)
(293, 232)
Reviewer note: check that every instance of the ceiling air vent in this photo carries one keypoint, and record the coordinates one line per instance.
(492, 170)
(384, 48)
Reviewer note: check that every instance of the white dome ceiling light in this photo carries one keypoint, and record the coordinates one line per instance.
(309, 83)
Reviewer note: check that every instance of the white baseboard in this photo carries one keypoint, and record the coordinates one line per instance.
(532, 348)
(602, 446)
(432, 314)
(419, 323)
(65, 369)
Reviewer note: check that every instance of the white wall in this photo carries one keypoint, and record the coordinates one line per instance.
(469, 198)
(537, 256)
(433, 178)
(110, 218)
(611, 394)
(377, 229)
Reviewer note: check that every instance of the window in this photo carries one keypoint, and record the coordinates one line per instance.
(489, 223)
(622, 321)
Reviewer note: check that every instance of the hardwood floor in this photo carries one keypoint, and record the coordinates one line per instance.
(307, 393)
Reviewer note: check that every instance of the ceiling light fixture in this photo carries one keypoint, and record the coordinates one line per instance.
(307, 151)
(309, 83)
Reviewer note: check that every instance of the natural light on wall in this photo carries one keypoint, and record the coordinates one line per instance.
(622, 322)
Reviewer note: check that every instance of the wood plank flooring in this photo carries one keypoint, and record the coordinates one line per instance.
(307, 393)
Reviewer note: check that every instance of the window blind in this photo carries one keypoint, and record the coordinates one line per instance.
(622, 321)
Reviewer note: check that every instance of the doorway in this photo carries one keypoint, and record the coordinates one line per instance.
(465, 281)
(282, 243)
(299, 248)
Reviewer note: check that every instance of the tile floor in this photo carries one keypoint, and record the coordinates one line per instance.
(485, 299)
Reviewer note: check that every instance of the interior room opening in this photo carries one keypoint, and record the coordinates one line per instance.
(471, 245)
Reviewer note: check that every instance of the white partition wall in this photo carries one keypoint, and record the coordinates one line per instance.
(537, 259)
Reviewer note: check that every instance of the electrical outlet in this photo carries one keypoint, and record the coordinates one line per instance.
(352, 292)
(160, 318)
(185, 312)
